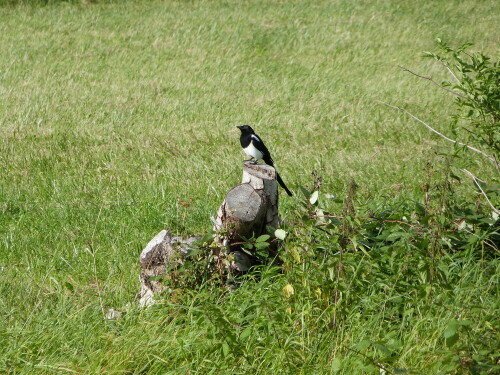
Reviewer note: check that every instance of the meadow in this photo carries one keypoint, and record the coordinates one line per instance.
(118, 119)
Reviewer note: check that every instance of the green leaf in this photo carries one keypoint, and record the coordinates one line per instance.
(451, 329)
(401, 371)
(451, 333)
(247, 251)
(261, 245)
(245, 333)
(305, 191)
(363, 345)
(70, 286)
(263, 238)
(394, 344)
(225, 349)
(384, 349)
(280, 233)
(395, 236)
(206, 238)
(193, 252)
(336, 365)
(450, 341)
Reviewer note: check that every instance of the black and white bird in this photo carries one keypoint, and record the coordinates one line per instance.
(256, 149)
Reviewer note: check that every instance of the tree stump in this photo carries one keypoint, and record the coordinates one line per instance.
(162, 251)
(248, 210)
(250, 207)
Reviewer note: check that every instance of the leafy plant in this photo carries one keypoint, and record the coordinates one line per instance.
(395, 256)
(476, 84)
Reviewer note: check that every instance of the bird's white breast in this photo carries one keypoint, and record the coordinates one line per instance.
(250, 150)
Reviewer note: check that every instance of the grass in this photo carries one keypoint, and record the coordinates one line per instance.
(118, 119)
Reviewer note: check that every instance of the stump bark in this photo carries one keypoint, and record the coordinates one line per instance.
(250, 207)
(248, 210)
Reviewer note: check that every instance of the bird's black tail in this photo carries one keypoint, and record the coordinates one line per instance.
(270, 162)
(280, 181)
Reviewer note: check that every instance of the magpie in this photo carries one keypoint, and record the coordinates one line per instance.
(256, 149)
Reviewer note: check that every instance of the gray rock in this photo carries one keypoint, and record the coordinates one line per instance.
(160, 253)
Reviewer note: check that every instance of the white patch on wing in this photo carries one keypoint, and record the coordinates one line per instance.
(250, 150)
(254, 137)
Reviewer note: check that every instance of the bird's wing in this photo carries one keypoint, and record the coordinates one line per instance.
(259, 145)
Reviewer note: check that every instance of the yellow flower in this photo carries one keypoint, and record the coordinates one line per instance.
(288, 290)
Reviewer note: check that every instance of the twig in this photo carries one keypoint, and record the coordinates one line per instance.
(434, 82)
(438, 133)
(449, 70)
(252, 243)
(476, 181)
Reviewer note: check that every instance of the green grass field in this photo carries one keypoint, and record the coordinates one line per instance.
(117, 119)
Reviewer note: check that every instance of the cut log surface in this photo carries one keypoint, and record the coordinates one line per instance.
(244, 210)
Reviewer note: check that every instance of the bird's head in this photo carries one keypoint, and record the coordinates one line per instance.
(246, 129)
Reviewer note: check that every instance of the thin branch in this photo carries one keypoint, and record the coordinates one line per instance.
(252, 243)
(476, 181)
(438, 133)
(449, 70)
(434, 82)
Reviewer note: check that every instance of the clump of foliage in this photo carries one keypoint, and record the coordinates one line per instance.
(476, 83)
(358, 279)
(396, 260)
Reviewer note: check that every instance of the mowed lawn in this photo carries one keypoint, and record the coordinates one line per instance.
(119, 119)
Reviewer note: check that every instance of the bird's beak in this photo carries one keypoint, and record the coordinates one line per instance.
(239, 127)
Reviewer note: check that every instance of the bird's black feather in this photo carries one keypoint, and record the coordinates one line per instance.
(259, 150)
